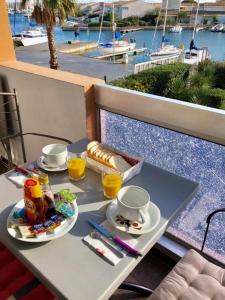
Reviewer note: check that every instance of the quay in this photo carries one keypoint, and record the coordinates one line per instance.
(76, 47)
(129, 52)
(134, 28)
(103, 69)
(127, 30)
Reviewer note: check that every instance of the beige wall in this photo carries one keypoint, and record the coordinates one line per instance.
(51, 102)
(6, 45)
(47, 105)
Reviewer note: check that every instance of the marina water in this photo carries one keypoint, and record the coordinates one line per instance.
(214, 41)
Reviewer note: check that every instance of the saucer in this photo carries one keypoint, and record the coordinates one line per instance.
(45, 167)
(133, 227)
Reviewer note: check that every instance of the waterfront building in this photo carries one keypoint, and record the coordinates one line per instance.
(125, 9)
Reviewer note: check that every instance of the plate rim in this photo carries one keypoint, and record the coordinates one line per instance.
(49, 238)
(113, 223)
(50, 169)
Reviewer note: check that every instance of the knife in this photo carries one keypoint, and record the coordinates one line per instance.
(103, 230)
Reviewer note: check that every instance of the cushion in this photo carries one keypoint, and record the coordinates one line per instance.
(192, 278)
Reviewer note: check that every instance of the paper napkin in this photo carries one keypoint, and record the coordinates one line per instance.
(104, 251)
(17, 178)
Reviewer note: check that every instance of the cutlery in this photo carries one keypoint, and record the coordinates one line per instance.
(103, 230)
(114, 248)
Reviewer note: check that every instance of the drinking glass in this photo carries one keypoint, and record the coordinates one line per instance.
(76, 164)
(111, 182)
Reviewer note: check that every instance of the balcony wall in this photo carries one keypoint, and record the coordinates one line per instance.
(192, 119)
(51, 102)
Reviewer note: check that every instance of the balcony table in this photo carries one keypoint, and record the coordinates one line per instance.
(66, 265)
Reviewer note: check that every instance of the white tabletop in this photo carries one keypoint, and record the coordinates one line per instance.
(66, 265)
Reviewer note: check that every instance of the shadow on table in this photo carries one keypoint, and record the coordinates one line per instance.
(81, 227)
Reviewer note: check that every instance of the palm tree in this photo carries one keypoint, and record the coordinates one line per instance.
(47, 12)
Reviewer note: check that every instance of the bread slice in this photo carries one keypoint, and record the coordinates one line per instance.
(92, 144)
(118, 163)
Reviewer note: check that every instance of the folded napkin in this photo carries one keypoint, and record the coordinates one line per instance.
(17, 178)
(105, 251)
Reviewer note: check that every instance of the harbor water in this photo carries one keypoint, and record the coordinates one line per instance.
(214, 41)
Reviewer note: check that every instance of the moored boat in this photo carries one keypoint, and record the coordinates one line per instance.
(218, 28)
(31, 37)
(69, 25)
(166, 49)
(194, 54)
(117, 46)
(176, 29)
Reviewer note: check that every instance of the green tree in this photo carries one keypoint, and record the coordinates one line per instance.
(189, 1)
(215, 19)
(181, 16)
(46, 12)
(108, 17)
(150, 17)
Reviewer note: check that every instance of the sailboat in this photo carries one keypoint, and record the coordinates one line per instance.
(117, 45)
(194, 54)
(166, 49)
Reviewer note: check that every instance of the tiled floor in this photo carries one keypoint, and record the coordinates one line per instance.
(150, 272)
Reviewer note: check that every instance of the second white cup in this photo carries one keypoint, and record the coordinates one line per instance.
(133, 203)
(54, 155)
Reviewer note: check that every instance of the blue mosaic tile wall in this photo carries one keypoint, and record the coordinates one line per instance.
(193, 158)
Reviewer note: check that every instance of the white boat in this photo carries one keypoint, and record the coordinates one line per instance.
(69, 25)
(218, 28)
(194, 55)
(117, 46)
(31, 37)
(176, 29)
(166, 50)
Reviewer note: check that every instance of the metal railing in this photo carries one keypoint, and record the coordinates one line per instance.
(153, 63)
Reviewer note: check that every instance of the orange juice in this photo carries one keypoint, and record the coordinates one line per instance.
(76, 168)
(111, 185)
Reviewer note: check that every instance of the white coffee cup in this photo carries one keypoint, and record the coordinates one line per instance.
(133, 202)
(54, 155)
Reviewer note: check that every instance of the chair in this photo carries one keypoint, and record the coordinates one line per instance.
(11, 126)
(193, 278)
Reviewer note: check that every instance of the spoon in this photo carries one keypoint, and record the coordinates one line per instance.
(112, 247)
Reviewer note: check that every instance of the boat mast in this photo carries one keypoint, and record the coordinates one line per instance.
(100, 30)
(164, 25)
(113, 30)
(14, 18)
(196, 20)
(156, 26)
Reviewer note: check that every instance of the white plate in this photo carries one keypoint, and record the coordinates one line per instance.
(152, 219)
(49, 236)
(45, 167)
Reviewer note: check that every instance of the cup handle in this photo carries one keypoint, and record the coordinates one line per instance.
(143, 217)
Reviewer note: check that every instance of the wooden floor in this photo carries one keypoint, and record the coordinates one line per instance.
(150, 272)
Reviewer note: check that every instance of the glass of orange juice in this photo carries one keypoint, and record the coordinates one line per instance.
(76, 164)
(111, 182)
